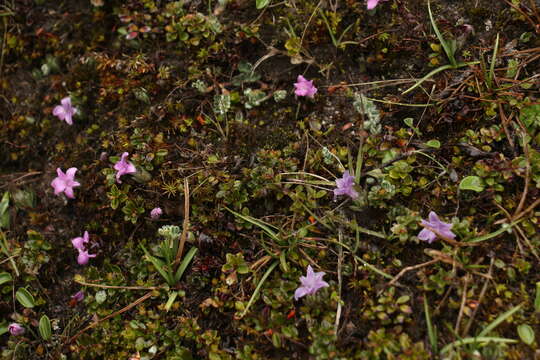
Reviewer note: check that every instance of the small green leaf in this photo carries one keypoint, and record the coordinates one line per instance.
(526, 334)
(4, 203)
(473, 183)
(5, 277)
(3, 328)
(170, 301)
(25, 298)
(261, 3)
(434, 144)
(409, 122)
(537, 298)
(45, 327)
(4, 214)
(185, 262)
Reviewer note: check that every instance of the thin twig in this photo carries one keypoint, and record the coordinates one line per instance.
(527, 210)
(527, 172)
(410, 268)
(480, 298)
(307, 24)
(118, 287)
(462, 306)
(504, 121)
(509, 217)
(185, 224)
(21, 177)
(340, 259)
(124, 309)
(448, 240)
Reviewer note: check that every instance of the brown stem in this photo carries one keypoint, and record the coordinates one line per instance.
(124, 309)
(185, 225)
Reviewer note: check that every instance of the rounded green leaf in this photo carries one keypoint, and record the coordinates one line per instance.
(526, 334)
(45, 327)
(5, 277)
(537, 298)
(434, 143)
(473, 183)
(261, 3)
(25, 298)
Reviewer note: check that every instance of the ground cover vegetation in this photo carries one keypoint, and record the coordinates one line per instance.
(266, 179)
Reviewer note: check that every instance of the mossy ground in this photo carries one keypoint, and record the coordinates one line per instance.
(193, 90)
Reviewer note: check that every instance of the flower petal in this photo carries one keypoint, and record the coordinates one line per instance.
(60, 112)
(301, 291)
(71, 172)
(371, 4)
(69, 192)
(68, 119)
(66, 103)
(427, 235)
(58, 185)
(131, 168)
(433, 217)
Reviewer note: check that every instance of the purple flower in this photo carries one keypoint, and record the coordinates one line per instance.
(371, 4)
(123, 167)
(434, 223)
(84, 256)
(304, 87)
(78, 242)
(345, 186)
(156, 213)
(78, 296)
(15, 329)
(311, 283)
(65, 111)
(65, 182)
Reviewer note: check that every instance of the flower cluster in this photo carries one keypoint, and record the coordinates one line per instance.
(156, 213)
(65, 182)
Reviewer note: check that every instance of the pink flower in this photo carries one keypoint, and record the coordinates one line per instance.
(156, 213)
(84, 256)
(65, 111)
(15, 329)
(436, 224)
(78, 242)
(304, 87)
(123, 167)
(371, 4)
(345, 186)
(311, 283)
(78, 296)
(65, 182)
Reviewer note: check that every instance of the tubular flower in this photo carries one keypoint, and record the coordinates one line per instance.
(123, 167)
(65, 111)
(65, 182)
(310, 284)
(436, 224)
